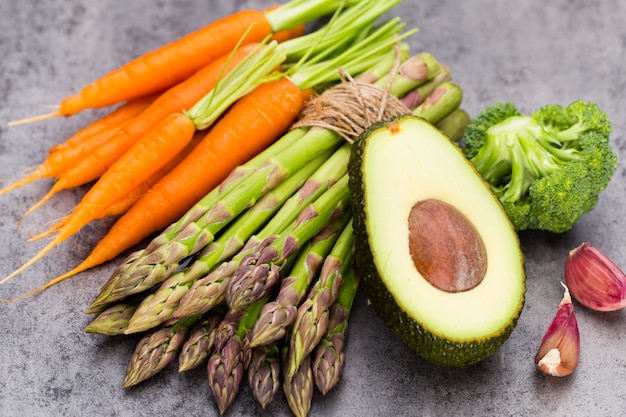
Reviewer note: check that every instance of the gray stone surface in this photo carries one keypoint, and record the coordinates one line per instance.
(529, 51)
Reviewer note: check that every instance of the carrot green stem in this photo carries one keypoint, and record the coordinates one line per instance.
(299, 12)
(344, 26)
(248, 74)
(358, 57)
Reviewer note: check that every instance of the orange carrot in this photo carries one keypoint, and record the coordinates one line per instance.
(169, 64)
(148, 155)
(252, 124)
(70, 152)
(116, 118)
(173, 62)
(285, 35)
(177, 98)
(123, 204)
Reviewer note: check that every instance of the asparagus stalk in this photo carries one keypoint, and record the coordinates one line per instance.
(232, 355)
(441, 102)
(415, 71)
(200, 342)
(384, 66)
(264, 373)
(256, 277)
(210, 290)
(454, 124)
(280, 313)
(159, 306)
(112, 321)
(155, 351)
(298, 388)
(153, 268)
(415, 97)
(312, 318)
(329, 358)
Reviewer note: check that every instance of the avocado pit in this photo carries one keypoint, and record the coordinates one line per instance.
(445, 247)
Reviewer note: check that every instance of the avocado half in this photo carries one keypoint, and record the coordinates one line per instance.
(396, 166)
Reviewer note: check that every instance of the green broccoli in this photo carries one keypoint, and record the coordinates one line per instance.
(547, 168)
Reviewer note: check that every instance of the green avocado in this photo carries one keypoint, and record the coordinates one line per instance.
(441, 262)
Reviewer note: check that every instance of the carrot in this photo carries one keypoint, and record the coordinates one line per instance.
(174, 62)
(179, 97)
(69, 153)
(123, 204)
(157, 147)
(285, 35)
(251, 125)
(117, 117)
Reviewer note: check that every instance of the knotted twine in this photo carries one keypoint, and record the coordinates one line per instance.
(350, 107)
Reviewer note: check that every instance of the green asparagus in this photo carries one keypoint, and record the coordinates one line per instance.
(280, 313)
(112, 321)
(232, 355)
(312, 318)
(329, 358)
(256, 277)
(209, 290)
(159, 306)
(264, 373)
(415, 97)
(200, 342)
(441, 102)
(298, 387)
(155, 351)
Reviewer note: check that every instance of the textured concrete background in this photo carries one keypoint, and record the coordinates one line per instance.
(529, 51)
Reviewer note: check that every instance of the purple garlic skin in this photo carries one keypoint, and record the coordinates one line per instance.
(594, 280)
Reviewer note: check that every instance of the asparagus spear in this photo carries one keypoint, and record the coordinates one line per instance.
(112, 321)
(209, 290)
(415, 71)
(454, 124)
(441, 102)
(151, 269)
(312, 318)
(298, 388)
(264, 373)
(256, 277)
(232, 355)
(415, 97)
(159, 306)
(280, 313)
(200, 342)
(156, 350)
(329, 358)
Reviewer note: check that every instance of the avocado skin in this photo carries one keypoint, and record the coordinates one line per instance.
(433, 348)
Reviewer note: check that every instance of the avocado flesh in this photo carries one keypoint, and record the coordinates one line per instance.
(393, 166)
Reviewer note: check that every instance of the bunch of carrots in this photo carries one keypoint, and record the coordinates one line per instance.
(239, 83)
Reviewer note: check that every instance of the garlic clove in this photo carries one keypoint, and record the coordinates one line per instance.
(559, 351)
(594, 280)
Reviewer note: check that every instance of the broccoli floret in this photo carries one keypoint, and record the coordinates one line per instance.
(547, 168)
